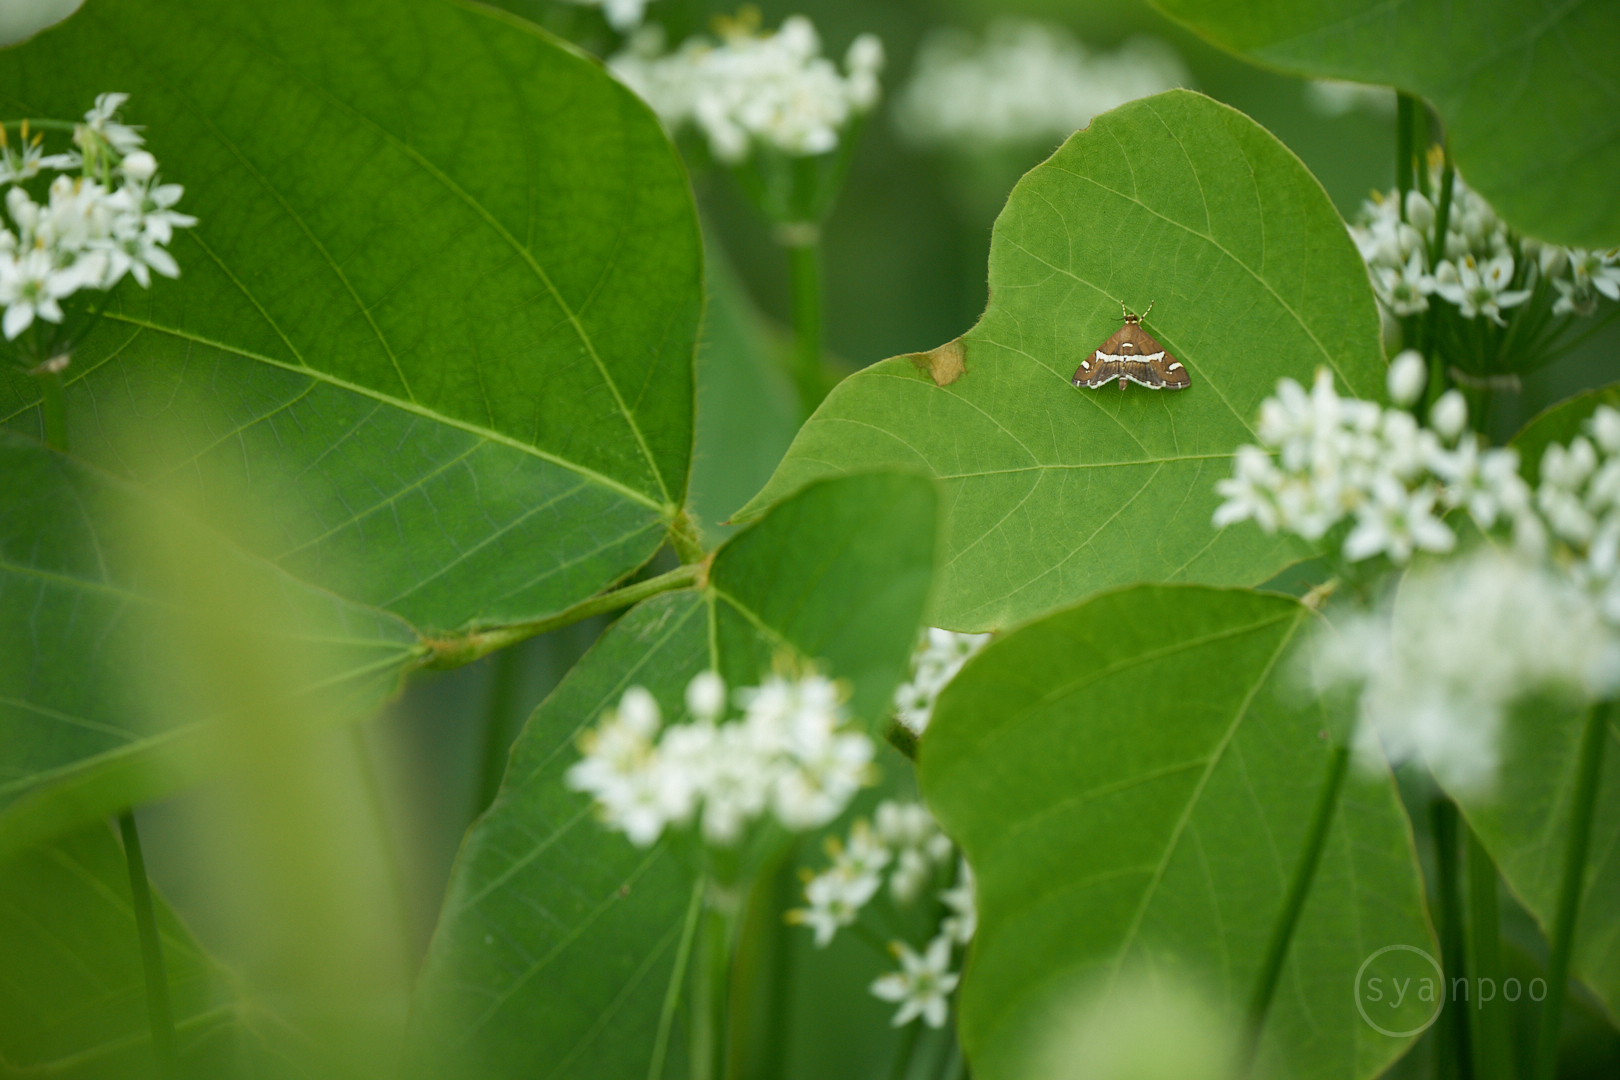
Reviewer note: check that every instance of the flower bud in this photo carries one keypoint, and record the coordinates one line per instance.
(139, 166)
(1450, 415)
(706, 695)
(1554, 260)
(1407, 374)
(1419, 211)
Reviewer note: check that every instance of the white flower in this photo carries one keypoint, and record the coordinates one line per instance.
(960, 898)
(30, 287)
(102, 121)
(836, 898)
(1026, 83)
(1478, 291)
(1449, 417)
(706, 695)
(1407, 375)
(1404, 289)
(922, 985)
(774, 90)
(939, 655)
(1396, 523)
(910, 830)
(1465, 641)
(1249, 494)
(1596, 270)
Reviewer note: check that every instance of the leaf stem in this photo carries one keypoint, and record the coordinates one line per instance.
(1293, 904)
(710, 980)
(1454, 1048)
(1405, 137)
(450, 652)
(804, 259)
(1588, 770)
(53, 406)
(158, 1012)
(1493, 1056)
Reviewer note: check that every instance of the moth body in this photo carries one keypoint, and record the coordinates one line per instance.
(1132, 356)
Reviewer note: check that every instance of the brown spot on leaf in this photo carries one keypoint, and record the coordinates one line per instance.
(944, 365)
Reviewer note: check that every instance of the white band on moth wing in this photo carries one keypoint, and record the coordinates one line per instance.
(1173, 367)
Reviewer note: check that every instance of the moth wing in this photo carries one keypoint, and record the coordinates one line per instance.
(1095, 371)
(1168, 372)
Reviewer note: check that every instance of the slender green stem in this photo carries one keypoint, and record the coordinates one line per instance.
(505, 678)
(1405, 137)
(449, 652)
(1453, 1059)
(711, 979)
(905, 1051)
(1492, 1055)
(158, 1012)
(805, 263)
(955, 1064)
(1588, 771)
(53, 406)
(1299, 889)
(672, 995)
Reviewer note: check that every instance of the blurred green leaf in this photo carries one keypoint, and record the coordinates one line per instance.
(1521, 88)
(1559, 424)
(72, 990)
(1132, 779)
(1524, 823)
(556, 947)
(1053, 492)
(443, 294)
(747, 407)
(91, 717)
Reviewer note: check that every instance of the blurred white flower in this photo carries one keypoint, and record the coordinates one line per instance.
(1465, 640)
(939, 655)
(963, 921)
(1404, 289)
(790, 753)
(771, 89)
(923, 984)
(1406, 378)
(1026, 83)
(1335, 97)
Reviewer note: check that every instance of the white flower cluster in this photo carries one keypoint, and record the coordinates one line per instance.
(938, 657)
(752, 89)
(1481, 269)
(114, 219)
(790, 754)
(623, 15)
(905, 837)
(1579, 499)
(1464, 641)
(1341, 457)
(1027, 83)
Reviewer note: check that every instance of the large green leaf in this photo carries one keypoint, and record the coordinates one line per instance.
(1053, 492)
(1132, 779)
(442, 296)
(72, 990)
(89, 719)
(1525, 89)
(555, 953)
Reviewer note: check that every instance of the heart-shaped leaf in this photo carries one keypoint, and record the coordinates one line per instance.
(559, 944)
(1515, 84)
(442, 294)
(1053, 492)
(1132, 780)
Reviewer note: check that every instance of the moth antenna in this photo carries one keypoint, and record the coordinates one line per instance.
(1149, 308)
(1124, 312)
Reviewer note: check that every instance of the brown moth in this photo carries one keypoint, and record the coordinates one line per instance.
(1132, 355)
